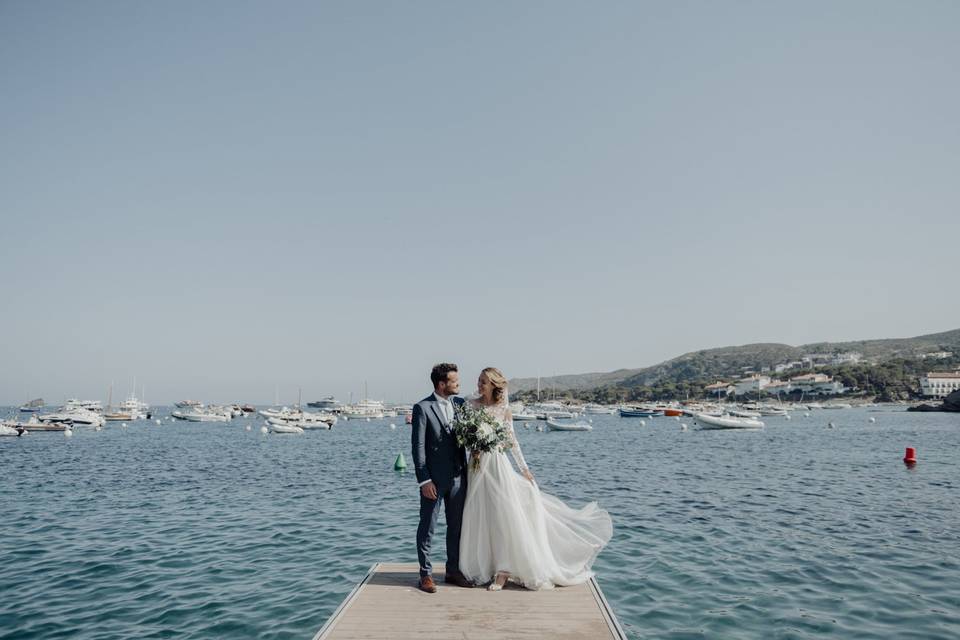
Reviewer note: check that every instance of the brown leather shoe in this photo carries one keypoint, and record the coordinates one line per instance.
(458, 579)
(426, 584)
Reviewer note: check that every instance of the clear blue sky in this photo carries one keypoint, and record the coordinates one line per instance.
(222, 198)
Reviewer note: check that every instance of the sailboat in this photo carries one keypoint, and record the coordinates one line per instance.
(116, 416)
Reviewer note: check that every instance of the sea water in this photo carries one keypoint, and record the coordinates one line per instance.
(185, 530)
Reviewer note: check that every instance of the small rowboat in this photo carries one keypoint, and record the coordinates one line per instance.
(639, 413)
(726, 422)
(554, 425)
(285, 428)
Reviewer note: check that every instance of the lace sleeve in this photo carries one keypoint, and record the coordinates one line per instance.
(515, 444)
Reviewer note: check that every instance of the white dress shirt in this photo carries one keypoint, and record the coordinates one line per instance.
(445, 406)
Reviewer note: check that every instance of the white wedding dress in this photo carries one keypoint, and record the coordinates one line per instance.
(510, 525)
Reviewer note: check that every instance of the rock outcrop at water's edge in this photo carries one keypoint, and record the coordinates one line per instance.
(951, 403)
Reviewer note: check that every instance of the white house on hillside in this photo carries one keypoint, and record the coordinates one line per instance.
(939, 384)
(751, 384)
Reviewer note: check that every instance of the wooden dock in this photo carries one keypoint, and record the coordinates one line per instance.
(387, 605)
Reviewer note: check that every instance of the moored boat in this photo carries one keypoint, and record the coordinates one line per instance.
(280, 422)
(726, 422)
(599, 409)
(200, 415)
(632, 412)
(556, 425)
(283, 428)
(33, 406)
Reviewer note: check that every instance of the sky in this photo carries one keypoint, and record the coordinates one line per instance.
(233, 201)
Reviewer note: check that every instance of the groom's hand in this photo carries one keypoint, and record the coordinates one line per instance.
(429, 491)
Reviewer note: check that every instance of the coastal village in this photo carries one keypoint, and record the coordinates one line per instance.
(778, 382)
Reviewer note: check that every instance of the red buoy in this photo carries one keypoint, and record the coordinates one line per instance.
(911, 456)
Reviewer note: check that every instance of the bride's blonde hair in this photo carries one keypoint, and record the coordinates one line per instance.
(499, 382)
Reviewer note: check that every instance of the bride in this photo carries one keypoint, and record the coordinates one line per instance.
(513, 531)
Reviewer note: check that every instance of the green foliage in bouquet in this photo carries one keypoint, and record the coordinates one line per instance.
(477, 430)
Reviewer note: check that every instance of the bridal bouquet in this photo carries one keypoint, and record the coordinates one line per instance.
(478, 431)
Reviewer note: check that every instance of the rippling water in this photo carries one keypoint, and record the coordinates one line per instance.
(210, 531)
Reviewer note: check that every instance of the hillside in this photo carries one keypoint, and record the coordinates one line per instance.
(728, 362)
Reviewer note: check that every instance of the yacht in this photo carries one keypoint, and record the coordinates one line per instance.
(73, 404)
(205, 414)
(364, 409)
(32, 406)
(299, 417)
(329, 404)
(599, 409)
(75, 416)
(135, 407)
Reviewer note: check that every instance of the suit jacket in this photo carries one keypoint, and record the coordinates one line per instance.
(436, 455)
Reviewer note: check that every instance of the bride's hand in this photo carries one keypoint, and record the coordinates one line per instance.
(475, 456)
(528, 475)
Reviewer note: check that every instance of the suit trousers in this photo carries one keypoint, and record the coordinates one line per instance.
(452, 498)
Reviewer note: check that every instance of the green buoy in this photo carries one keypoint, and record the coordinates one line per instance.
(400, 464)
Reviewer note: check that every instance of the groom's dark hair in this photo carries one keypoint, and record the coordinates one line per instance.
(439, 372)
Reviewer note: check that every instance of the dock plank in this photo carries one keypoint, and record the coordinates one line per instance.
(387, 604)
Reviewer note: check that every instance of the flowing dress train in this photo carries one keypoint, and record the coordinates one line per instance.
(510, 525)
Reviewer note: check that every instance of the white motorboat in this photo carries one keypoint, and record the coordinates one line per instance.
(135, 407)
(285, 428)
(74, 404)
(199, 415)
(188, 404)
(599, 410)
(767, 411)
(365, 409)
(33, 424)
(557, 415)
(839, 405)
(327, 404)
(555, 425)
(87, 418)
(279, 422)
(10, 431)
(726, 422)
(287, 415)
(524, 415)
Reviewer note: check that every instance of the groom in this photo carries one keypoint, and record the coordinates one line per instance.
(441, 471)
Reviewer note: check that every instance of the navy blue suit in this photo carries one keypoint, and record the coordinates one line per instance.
(437, 457)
